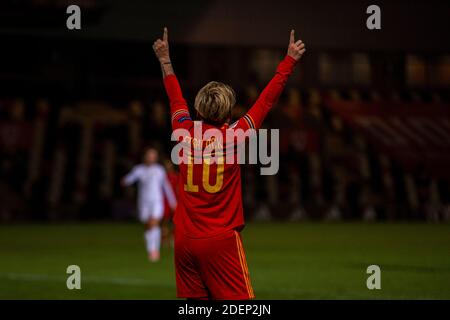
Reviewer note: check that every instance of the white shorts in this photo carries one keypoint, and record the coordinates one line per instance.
(151, 210)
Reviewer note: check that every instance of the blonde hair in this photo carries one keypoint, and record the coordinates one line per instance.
(214, 102)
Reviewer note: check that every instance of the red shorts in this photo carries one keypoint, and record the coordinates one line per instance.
(213, 268)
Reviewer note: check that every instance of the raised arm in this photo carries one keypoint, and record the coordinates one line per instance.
(269, 96)
(178, 106)
(131, 177)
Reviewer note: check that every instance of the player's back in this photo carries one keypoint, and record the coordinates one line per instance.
(210, 200)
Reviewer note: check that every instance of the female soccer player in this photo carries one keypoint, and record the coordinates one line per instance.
(210, 261)
(152, 186)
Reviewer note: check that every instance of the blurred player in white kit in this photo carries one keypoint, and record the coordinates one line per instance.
(152, 186)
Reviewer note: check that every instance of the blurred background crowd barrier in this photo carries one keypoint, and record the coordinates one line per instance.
(364, 122)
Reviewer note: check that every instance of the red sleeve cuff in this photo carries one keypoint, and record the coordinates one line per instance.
(290, 60)
(167, 78)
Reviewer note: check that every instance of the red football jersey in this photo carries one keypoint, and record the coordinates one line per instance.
(209, 194)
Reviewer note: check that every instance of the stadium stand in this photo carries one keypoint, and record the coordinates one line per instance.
(71, 156)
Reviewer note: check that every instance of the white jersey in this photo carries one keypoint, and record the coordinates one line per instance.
(152, 185)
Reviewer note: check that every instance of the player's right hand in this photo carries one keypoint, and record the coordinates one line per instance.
(296, 48)
(161, 48)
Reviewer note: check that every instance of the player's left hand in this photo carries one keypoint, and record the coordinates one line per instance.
(161, 48)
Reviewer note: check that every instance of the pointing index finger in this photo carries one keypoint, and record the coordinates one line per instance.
(165, 36)
(292, 38)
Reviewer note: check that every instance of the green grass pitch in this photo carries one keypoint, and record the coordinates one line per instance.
(286, 261)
